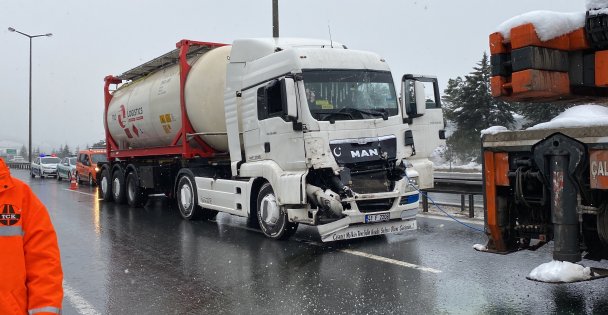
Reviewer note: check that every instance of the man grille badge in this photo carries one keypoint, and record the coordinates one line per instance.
(8, 215)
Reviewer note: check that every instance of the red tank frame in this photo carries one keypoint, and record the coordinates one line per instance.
(180, 145)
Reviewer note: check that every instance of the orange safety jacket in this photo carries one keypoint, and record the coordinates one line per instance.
(31, 277)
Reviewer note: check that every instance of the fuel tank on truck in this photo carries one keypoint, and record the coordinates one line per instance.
(146, 113)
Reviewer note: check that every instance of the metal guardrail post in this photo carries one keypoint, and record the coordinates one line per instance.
(461, 203)
(425, 202)
(471, 206)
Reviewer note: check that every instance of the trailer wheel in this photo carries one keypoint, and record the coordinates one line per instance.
(187, 201)
(118, 186)
(136, 196)
(105, 190)
(272, 217)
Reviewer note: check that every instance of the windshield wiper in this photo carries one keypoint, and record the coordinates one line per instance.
(372, 112)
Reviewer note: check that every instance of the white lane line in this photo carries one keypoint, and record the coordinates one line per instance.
(444, 218)
(80, 192)
(82, 305)
(376, 257)
(389, 260)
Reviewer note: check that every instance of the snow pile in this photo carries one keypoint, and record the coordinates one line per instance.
(479, 247)
(548, 24)
(596, 4)
(493, 130)
(577, 116)
(560, 271)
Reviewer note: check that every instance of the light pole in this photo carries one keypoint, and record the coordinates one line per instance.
(29, 148)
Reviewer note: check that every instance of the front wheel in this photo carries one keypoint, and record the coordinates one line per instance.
(187, 199)
(105, 189)
(136, 196)
(58, 176)
(32, 174)
(272, 217)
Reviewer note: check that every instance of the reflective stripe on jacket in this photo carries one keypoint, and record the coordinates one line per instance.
(31, 281)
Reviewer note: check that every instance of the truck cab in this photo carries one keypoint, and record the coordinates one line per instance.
(322, 123)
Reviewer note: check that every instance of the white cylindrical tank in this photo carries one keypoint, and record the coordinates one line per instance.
(146, 113)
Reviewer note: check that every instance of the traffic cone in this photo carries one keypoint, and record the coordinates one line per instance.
(73, 183)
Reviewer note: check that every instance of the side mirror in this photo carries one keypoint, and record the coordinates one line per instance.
(288, 93)
(420, 98)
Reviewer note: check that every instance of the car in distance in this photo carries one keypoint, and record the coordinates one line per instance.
(17, 159)
(67, 168)
(44, 166)
(86, 165)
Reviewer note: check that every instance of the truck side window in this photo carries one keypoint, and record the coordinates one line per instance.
(270, 101)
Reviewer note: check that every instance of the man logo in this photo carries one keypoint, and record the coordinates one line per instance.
(8, 215)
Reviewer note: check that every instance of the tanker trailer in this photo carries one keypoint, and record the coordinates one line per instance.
(281, 131)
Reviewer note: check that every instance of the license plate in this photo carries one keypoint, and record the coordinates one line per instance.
(380, 217)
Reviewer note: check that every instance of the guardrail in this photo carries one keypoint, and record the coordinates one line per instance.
(19, 165)
(464, 184)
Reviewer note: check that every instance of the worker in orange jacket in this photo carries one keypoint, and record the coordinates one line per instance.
(31, 277)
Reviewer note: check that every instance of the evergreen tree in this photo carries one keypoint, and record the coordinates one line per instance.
(23, 152)
(471, 107)
(65, 151)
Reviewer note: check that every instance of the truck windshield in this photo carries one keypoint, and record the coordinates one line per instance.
(350, 94)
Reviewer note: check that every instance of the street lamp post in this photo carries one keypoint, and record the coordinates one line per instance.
(29, 148)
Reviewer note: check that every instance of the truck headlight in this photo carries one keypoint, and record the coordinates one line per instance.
(413, 181)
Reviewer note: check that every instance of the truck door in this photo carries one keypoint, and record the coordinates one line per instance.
(281, 134)
(428, 128)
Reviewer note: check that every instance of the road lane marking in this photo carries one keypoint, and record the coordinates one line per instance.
(444, 218)
(374, 257)
(82, 305)
(80, 192)
(389, 260)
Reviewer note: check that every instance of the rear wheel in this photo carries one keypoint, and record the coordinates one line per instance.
(272, 217)
(105, 187)
(118, 186)
(187, 201)
(136, 196)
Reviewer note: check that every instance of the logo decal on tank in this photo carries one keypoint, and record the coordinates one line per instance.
(8, 215)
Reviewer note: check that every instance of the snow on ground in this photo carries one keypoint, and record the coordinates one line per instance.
(577, 116)
(548, 24)
(493, 130)
(560, 271)
(479, 247)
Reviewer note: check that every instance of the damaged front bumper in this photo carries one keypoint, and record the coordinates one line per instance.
(401, 217)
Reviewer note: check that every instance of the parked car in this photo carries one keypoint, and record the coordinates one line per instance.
(67, 168)
(44, 166)
(17, 159)
(86, 165)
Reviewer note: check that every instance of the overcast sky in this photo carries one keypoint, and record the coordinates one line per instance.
(92, 39)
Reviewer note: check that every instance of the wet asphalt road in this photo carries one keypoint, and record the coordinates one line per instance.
(119, 260)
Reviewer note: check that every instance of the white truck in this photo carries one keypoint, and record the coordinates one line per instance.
(282, 131)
